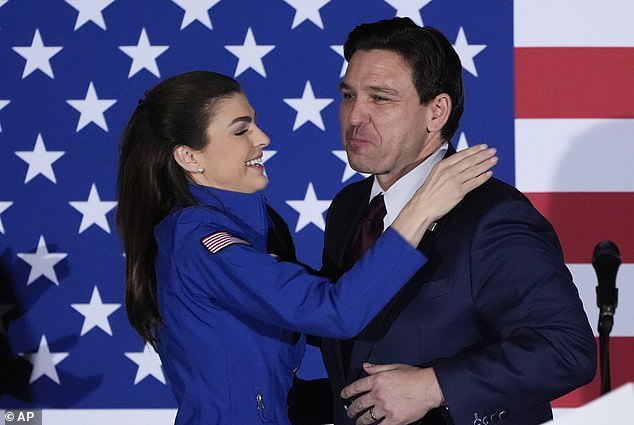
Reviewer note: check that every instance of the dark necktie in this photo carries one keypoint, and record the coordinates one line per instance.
(370, 226)
(368, 231)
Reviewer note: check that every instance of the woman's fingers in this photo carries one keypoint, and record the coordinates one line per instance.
(467, 165)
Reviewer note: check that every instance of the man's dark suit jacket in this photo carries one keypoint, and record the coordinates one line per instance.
(494, 311)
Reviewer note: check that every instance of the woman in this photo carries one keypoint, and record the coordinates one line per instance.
(201, 284)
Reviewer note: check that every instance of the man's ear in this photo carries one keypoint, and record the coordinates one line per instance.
(184, 156)
(440, 111)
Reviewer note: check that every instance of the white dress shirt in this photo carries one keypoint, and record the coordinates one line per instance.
(404, 188)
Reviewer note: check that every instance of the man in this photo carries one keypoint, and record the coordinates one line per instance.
(492, 328)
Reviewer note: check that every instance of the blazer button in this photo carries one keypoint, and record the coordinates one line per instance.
(476, 420)
(503, 415)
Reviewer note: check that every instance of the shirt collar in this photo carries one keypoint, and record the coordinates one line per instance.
(404, 188)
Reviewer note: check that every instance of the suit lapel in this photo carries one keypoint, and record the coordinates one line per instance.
(349, 224)
(364, 343)
(346, 226)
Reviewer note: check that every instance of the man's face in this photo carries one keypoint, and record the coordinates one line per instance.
(383, 123)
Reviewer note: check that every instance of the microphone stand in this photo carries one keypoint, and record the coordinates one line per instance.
(606, 320)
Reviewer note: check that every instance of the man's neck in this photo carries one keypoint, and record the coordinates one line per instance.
(401, 191)
(386, 180)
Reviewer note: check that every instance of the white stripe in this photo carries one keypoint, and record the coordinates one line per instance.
(586, 280)
(108, 416)
(574, 155)
(217, 241)
(220, 240)
(614, 408)
(560, 412)
(573, 23)
(215, 237)
(143, 416)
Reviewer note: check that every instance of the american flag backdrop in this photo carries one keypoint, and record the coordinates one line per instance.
(548, 82)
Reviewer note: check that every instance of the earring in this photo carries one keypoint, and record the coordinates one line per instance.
(200, 170)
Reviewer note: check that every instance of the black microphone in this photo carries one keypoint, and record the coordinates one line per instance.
(606, 260)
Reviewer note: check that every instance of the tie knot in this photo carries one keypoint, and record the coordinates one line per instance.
(376, 209)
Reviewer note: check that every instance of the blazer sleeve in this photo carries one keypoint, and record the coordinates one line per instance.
(249, 281)
(527, 303)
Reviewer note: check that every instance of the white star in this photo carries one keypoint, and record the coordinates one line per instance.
(3, 2)
(149, 364)
(308, 108)
(40, 160)
(42, 262)
(250, 54)
(4, 309)
(310, 209)
(94, 210)
(409, 9)
(348, 172)
(467, 52)
(266, 155)
(3, 103)
(339, 50)
(44, 362)
(196, 10)
(96, 313)
(91, 109)
(144, 55)
(307, 9)
(462, 143)
(3, 207)
(37, 56)
(90, 10)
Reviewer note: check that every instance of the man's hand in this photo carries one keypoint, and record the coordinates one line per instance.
(393, 394)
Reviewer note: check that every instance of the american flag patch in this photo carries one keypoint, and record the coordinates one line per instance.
(217, 241)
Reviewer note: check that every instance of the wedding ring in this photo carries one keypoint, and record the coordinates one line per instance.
(374, 418)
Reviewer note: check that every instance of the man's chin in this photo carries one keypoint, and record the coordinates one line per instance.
(359, 162)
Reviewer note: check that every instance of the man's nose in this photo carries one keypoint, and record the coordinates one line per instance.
(358, 114)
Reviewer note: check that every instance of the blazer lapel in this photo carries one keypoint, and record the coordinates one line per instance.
(350, 223)
(364, 343)
(346, 226)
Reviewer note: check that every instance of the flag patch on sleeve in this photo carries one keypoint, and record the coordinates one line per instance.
(217, 241)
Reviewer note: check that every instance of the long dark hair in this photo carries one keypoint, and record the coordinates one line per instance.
(151, 184)
(436, 66)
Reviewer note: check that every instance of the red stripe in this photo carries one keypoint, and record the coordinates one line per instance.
(217, 241)
(621, 372)
(583, 219)
(218, 238)
(217, 244)
(574, 82)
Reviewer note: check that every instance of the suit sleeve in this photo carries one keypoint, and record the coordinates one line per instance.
(249, 281)
(529, 306)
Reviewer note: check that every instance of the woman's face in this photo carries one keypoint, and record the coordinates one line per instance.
(232, 159)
